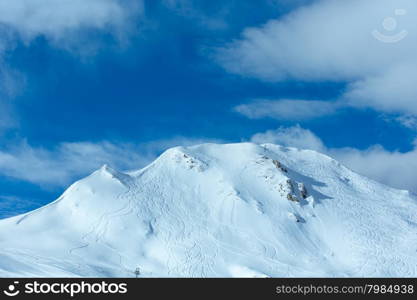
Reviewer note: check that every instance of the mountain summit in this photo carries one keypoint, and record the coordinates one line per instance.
(234, 210)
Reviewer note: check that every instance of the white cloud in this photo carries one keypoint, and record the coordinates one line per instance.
(392, 91)
(70, 161)
(397, 169)
(287, 109)
(293, 137)
(332, 40)
(56, 19)
(67, 161)
(394, 168)
(328, 40)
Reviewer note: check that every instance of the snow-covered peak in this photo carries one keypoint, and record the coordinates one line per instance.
(109, 172)
(219, 210)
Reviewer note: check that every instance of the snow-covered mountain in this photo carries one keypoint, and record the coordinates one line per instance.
(236, 210)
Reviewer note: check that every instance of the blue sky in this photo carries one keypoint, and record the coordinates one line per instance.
(118, 82)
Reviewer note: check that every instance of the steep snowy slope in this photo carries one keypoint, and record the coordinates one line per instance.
(237, 210)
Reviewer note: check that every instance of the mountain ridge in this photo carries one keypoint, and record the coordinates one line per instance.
(231, 210)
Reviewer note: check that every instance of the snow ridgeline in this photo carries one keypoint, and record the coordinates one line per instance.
(235, 210)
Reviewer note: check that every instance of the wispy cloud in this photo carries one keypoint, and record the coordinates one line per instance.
(287, 109)
(408, 121)
(67, 162)
(12, 205)
(394, 168)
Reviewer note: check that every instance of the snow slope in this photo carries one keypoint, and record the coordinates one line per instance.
(236, 210)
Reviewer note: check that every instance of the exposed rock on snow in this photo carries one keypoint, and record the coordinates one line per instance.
(279, 166)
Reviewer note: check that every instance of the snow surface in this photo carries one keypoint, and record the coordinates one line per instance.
(235, 210)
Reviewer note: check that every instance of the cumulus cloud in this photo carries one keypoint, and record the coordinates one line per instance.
(287, 109)
(70, 161)
(332, 40)
(394, 168)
